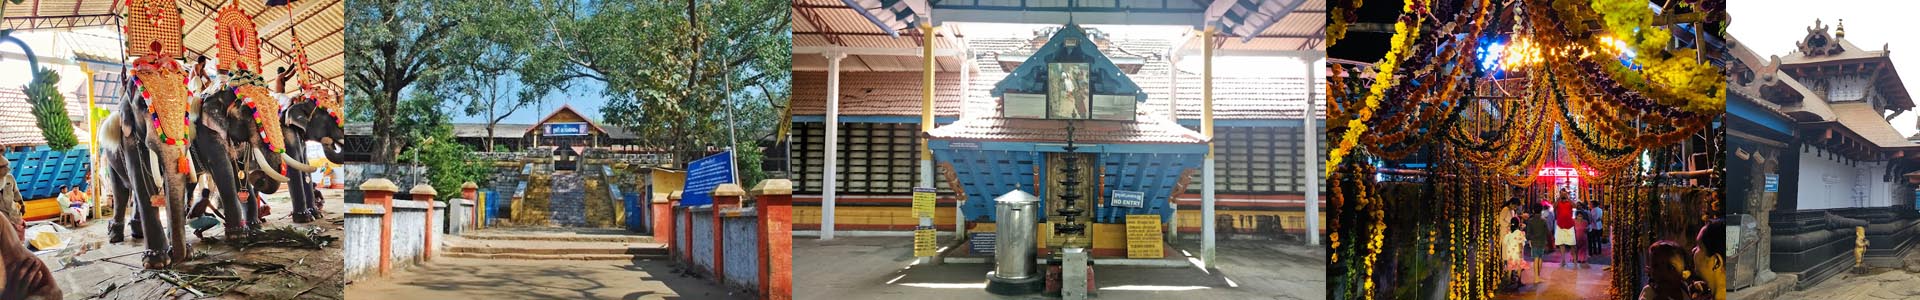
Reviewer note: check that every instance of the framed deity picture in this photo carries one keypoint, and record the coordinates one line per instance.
(1069, 95)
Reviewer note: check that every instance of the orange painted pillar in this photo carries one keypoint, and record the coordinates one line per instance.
(379, 191)
(774, 200)
(662, 218)
(424, 193)
(470, 191)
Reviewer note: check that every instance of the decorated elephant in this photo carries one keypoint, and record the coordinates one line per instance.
(313, 118)
(146, 142)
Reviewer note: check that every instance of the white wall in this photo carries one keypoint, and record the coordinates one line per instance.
(1828, 182)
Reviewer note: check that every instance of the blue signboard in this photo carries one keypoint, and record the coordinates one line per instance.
(1773, 183)
(566, 129)
(705, 174)
(1128, 199)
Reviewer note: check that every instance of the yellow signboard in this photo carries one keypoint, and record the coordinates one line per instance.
(923, 202)
(1143, 237)
(923, 241)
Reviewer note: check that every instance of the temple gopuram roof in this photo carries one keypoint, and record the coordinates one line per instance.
(1820, 54)
(981, 120)
(1857, 129)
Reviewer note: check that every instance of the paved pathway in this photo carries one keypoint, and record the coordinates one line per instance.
(882, 268)
(1564, 283)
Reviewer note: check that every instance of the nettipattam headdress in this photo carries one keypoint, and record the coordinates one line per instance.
(239, 41)
(150, 21)
(158, 81)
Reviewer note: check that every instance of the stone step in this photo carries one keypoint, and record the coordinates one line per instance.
(553, 247)
(557, 236)
(525, 256)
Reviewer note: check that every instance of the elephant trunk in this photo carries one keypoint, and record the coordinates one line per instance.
(334, 153)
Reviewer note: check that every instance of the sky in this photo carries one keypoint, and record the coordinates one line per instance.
(1771, 27)
(586, 96)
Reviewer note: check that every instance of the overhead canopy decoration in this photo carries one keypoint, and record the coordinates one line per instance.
(55, 14)
(1481, 94)
(320, 24)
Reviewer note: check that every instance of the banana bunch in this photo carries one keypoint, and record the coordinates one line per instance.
(50, 110)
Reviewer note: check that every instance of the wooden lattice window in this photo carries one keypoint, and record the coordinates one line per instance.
(1260, 160)
(875, 158)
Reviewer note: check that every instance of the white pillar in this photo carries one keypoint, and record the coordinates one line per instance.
(1173, 114)
(1206, 172)
(966, 91)
(1173, 89)
(833, 143)
(1311, 157)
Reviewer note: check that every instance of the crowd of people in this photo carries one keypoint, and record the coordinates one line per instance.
(1562, 227)
(1572, 231)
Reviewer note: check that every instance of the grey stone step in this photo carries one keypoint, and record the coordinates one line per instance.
(553, 247)
(613, 236)
(621, 257)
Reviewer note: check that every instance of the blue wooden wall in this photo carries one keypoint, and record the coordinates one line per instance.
(988, 173)
(41, 172)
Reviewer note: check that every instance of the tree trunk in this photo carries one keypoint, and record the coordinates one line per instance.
(489, 138)
(385, 146)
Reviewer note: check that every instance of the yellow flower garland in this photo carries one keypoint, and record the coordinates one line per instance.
(1405, 32)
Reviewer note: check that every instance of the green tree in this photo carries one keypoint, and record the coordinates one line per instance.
(395, 47)
(50, 110)
(430, 143)
(677, 73)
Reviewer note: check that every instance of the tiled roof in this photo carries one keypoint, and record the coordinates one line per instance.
(17, 125)
(1145, 131)
(1861, 118)
(898, 93)
(875, 93)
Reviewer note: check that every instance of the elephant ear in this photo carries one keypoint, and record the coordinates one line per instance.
(266, 114)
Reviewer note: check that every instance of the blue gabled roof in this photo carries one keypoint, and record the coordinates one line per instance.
(1106, 78)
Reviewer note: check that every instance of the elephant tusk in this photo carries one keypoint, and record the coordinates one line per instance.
(267, 167)
(296, 164)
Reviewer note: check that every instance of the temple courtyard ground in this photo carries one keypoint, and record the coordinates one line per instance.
(877, 267)
(91, 268)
